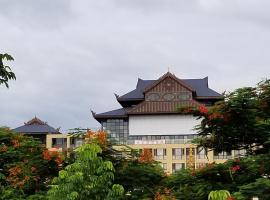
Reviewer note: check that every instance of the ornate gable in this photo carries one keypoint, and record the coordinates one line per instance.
(165, 96)
(35, 120)
(168, 88)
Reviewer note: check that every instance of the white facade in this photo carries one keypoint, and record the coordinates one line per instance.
(162, 124)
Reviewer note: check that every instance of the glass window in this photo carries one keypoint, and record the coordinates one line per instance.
(160, 154)
(222, 155)
(178, 153)
(177, 166)
(201, 153)
(164, 166)
(240, 153)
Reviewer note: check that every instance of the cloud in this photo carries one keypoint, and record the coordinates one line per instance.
(71, 56)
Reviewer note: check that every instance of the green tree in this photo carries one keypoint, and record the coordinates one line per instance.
(89, 177)
(140, 179)
(5, 71)
(241, 121)
(260, 188)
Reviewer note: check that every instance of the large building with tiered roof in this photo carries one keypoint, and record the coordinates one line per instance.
(149, 118)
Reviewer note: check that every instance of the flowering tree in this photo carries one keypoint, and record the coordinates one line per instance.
(25, 165)
(241, 121)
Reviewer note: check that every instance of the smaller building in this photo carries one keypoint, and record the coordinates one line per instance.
(37, 129)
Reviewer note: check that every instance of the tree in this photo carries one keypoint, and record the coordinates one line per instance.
(89, 177)
(241, 121)
(25, 165)
(5, 71)
(137, 172)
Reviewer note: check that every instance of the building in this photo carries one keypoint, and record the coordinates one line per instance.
(149, 118)
(37, 129)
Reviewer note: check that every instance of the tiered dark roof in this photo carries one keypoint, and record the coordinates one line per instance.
(36, 126)
(134, 102)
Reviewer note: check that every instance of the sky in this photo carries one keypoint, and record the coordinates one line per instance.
(72, 56)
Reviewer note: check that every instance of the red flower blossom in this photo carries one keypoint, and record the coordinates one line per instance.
(58, 160)
(203, 109)
(235, 168)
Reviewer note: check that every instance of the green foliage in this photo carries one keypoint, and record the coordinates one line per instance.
(5, 71)
(140, 180)
(24, 171)
(89, 177)
(260, 188)
(231, 175)
(219, 195)
(241, 121)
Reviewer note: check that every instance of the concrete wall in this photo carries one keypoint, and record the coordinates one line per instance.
(162, 124)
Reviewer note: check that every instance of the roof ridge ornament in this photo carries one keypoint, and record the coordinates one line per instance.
(35, 120)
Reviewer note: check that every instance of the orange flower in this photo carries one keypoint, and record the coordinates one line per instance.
(33, 169)
(146, 156)
(3, 148)
(203, 109)
(15, 143)
(101, 137)
(46, 155)
(58, 160)
(90, 133)
(15, 170)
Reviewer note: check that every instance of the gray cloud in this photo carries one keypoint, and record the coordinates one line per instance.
(71, 56)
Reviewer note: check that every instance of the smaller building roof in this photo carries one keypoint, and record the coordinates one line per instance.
(35, 126)
(118, 113)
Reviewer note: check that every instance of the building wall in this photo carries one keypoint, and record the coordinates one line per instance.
(169, 160)
(162, 124)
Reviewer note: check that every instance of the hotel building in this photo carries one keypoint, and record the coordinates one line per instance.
(149, 118)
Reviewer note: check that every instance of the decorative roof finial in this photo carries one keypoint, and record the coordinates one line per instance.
(168, 69)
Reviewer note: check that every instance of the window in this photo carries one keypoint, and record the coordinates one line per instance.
(201, 153)
(164, 166)
(239, 153)
(117, 130)
(78, 142)
(177, 167)
(59, 142)
(178, 153)
(222, 155)
(160, 154)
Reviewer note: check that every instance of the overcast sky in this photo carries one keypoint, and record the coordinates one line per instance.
(71, 56)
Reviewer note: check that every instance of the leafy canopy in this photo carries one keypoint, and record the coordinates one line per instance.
(89, 177)
(5, 71)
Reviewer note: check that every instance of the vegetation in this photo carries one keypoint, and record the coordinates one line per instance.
(5, 71)
(25, 165)
(99, 171)
(89, 177)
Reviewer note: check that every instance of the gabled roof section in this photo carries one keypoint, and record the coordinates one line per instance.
(168, 75)
(200, 86)
(36, 126)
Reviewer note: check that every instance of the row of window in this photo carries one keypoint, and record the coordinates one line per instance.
(179, 166)
(201, 153)
(178, 153)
